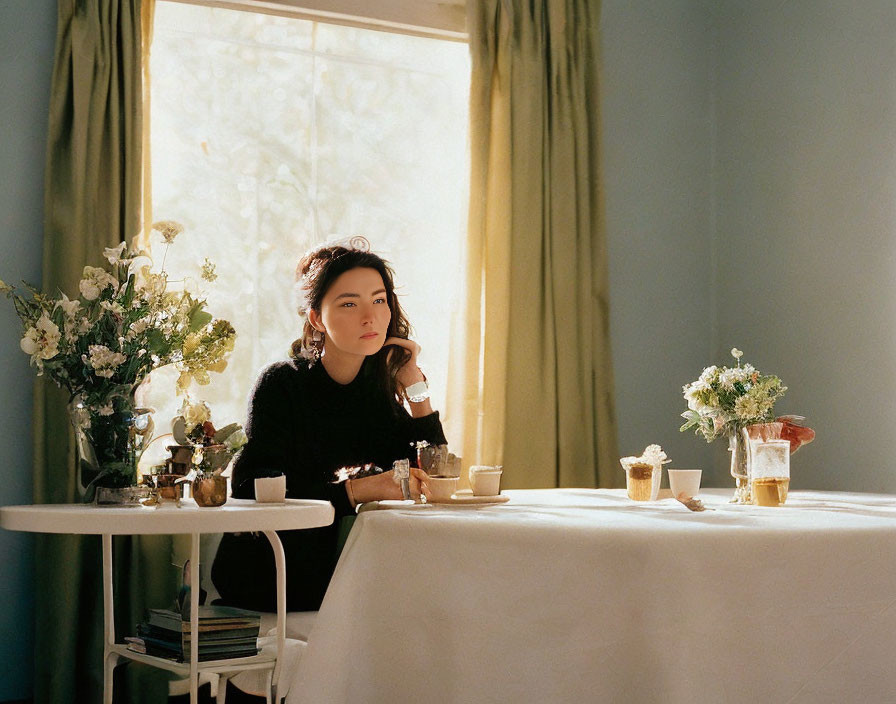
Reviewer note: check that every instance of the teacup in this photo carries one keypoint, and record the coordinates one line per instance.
(441, 487)
(684, 481)
(485, 480)
(270, 490)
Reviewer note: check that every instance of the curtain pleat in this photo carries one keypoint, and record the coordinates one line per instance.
(92, 200)
(538, 370)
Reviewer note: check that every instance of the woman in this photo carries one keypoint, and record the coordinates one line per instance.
(337, 404)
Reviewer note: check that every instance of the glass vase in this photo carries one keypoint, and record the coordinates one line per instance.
(739, 469)
(108, 440)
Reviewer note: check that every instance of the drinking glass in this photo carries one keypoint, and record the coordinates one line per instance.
(770, 472)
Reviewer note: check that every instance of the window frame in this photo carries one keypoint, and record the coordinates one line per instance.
(439, 19)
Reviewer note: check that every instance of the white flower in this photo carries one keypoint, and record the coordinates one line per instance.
(104, 361)
(653, 454)
(68, 306)
(114, 254)
(728, 377)
(138, 327)
(42, 340)
(709, 374)
(113, 307)
(94, 282)
(194, 414)
(692, 394)
(736, 353)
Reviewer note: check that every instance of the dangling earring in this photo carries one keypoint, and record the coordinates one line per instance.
(317, 346)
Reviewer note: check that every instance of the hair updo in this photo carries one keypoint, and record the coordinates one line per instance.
(315, 274)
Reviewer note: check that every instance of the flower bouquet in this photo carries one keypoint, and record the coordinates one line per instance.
(212, 450)
(723, 401)
(103, 343)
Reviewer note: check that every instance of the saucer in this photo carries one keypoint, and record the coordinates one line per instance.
(392, 503)
(465, 497)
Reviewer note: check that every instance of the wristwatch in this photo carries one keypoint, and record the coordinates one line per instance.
(418, 392)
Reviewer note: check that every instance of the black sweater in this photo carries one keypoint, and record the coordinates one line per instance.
(305, 425)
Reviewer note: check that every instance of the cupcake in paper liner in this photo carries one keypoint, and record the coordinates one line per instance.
(643, 474)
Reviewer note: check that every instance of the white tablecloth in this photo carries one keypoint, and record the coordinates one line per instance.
(582, 595)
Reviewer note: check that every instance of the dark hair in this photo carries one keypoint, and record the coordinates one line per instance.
(317, 271)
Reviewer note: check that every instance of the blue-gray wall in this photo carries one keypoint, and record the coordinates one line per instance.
(807, 220)
(27, 36)
(750, 184)
(658, 118)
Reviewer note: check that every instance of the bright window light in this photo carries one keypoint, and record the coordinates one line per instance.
(271, 135)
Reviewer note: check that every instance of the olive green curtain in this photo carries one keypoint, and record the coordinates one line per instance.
(92, 200)
(538, 373)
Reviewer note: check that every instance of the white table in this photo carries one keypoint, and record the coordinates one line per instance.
(576, 595)
(234, 516)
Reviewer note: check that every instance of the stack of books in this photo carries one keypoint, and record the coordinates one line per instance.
(224, 632)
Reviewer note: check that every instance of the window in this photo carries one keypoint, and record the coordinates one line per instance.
(272, 134)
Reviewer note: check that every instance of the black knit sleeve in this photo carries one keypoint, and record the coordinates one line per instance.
(267, 428)
(279, 442)
(413, 430)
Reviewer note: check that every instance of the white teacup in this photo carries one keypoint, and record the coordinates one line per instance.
(270, 490)
(485, 480)
(685, 481)
(441, 487)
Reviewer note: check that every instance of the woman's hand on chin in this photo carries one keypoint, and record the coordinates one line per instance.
(409, 373)
(379, 487)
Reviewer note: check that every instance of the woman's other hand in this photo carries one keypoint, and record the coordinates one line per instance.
(409, 373)
(379, 487)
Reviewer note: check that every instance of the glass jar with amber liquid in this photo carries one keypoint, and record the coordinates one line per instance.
(769, 472)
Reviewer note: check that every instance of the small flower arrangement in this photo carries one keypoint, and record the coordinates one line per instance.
(212, 448)
(725, 399)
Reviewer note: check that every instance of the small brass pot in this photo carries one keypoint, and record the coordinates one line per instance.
(167, 488)
(210, 490)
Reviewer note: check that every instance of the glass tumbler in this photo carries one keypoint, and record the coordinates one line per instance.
(770, 472)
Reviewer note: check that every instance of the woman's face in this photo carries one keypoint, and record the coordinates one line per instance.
(354, 314)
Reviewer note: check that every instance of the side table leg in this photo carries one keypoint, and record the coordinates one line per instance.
(110, 659)
(280, 563)
(194, 619)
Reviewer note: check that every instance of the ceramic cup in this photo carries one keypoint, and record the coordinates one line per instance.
(686, 481)
(270, 490)
(442, 487)
(485, 480)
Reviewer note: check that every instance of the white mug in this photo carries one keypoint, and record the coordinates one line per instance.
(485, 480)
(270, 490)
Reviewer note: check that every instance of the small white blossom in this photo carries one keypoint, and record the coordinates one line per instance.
(113, 307)
(194, 414)
(115, 254)
(736, 353)
(68, 306)
(709, 374)
(42, 340)
(94, 282)
(104, 361)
